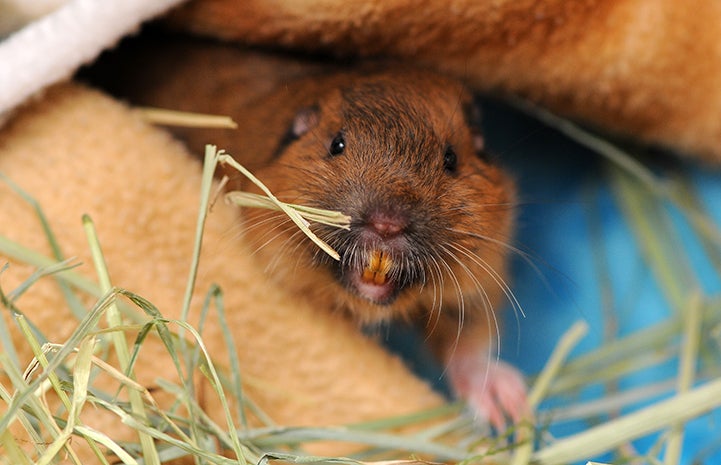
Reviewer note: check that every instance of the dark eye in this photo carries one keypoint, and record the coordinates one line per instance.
(450, 160)
(337, 145)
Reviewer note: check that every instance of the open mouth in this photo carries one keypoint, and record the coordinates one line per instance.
(373, 281)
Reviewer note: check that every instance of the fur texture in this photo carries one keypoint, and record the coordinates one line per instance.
(647, 69)
(141, 189)
(411, 163)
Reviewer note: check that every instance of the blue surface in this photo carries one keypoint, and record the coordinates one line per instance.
(572, 226)
(575, 235)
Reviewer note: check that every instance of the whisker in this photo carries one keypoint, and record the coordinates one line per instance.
(284, 227)
(491, 319)
(500, 282)
(282, 253)
(523, 254)
(499, 206)
(527, 258)
(496, 276)
(437, 281)
(266, 218)
(234, 232)
(487, 304)
(460, 300)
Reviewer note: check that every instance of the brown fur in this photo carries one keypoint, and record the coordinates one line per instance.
(397, 124)
(449, 265)
(449, 269)
(644, 68)
(301, 366)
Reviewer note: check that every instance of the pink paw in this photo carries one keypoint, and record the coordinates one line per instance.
(495, 390)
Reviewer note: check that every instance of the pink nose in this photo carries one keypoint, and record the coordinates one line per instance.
(387, 225)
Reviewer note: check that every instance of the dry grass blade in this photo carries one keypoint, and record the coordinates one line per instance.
(290, 458)
(317, 215)
(564, 347)
(687, 373)
(121, 348)
(656, 417)
(185, 119)
(13, 452)
(289, 210)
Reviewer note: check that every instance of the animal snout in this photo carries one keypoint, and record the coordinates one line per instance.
(387, 224)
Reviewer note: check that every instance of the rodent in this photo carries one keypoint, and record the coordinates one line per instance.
(401, 152)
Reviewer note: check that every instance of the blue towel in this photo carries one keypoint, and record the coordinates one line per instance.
(585, 257)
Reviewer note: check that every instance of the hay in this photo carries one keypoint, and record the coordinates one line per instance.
(185, 119)
(66, 369)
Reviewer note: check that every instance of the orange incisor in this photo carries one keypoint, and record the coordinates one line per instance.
(376, 271)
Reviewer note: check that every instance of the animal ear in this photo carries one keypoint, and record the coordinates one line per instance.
(306, 119)
(472, 114)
